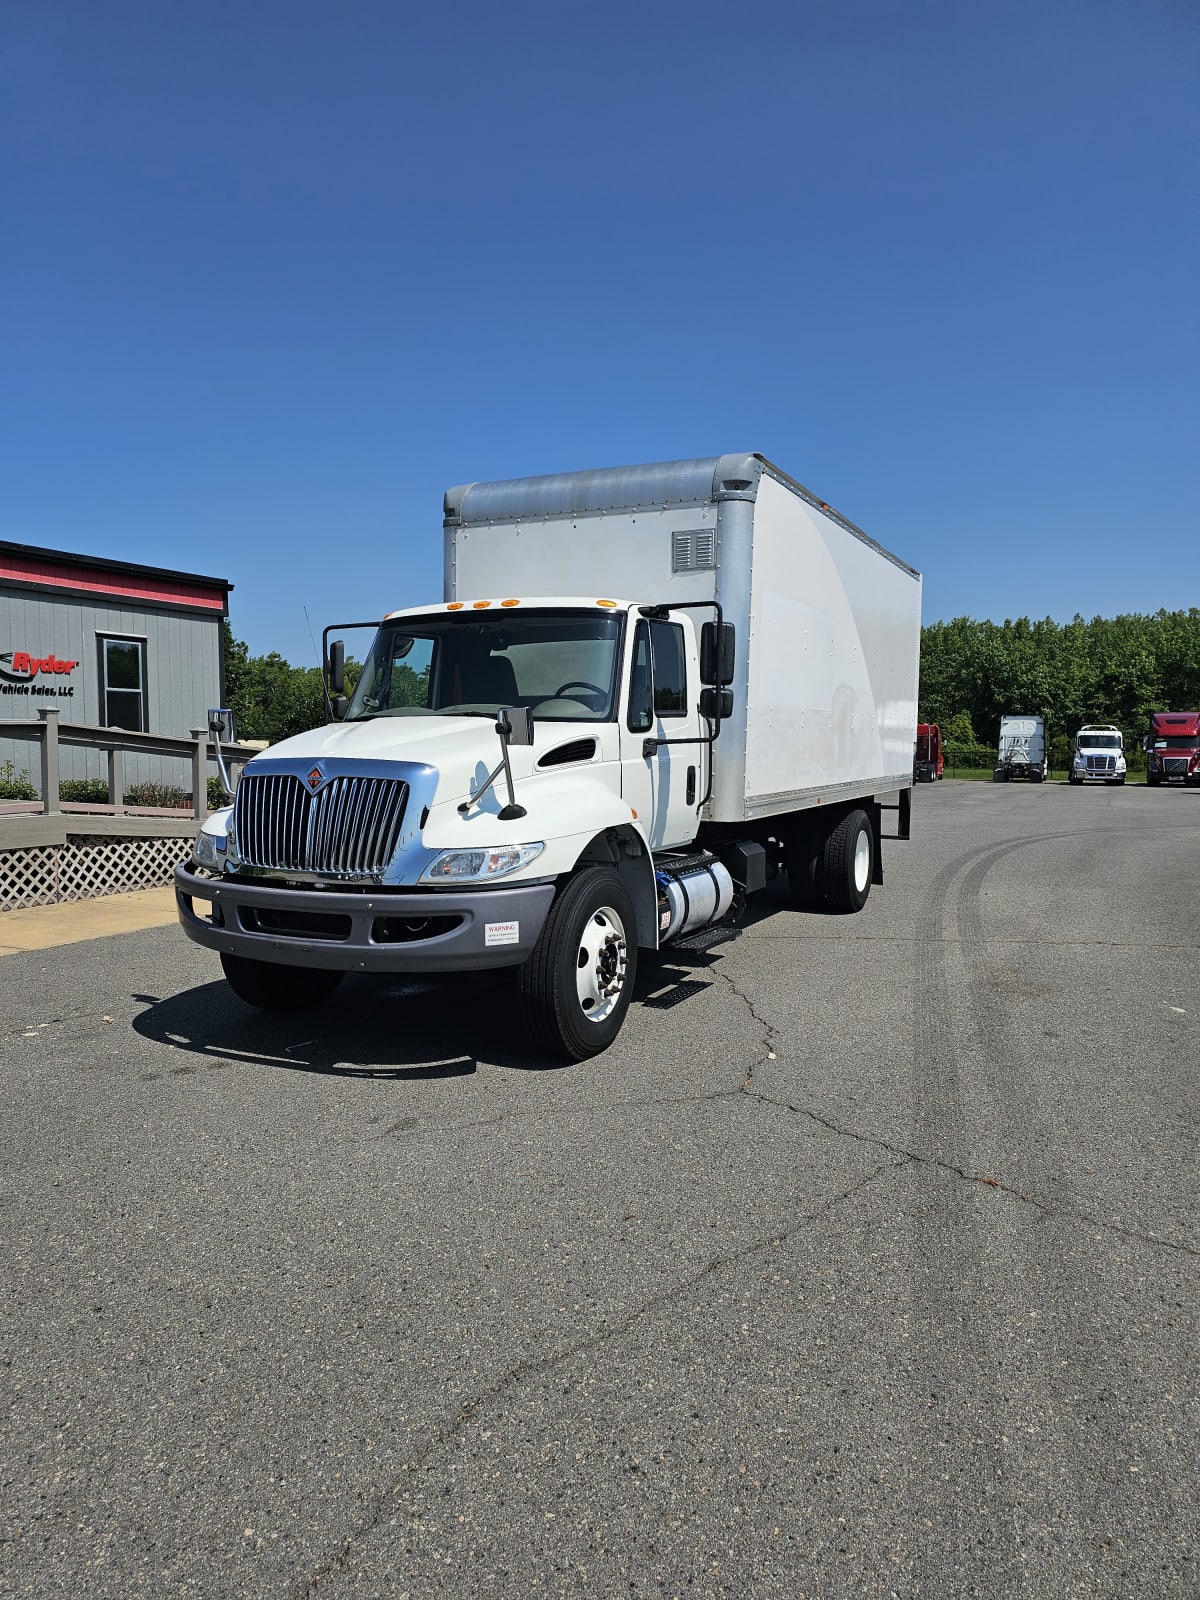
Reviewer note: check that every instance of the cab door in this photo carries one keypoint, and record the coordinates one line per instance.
(666, 786)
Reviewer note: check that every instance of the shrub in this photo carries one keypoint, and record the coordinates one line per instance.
(84, 791)
(14, 788)
(216, 795)
(157, 794)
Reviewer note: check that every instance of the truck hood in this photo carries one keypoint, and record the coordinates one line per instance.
(462, 749)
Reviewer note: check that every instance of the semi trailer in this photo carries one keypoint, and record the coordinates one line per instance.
(645, 692)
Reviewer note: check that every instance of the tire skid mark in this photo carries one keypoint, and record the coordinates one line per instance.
(972, 1535)
(1015, 1065)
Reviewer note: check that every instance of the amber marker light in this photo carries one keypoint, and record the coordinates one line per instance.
(510, 602)
(633, 813)
(480, 605)
(455, 605)
(609, 603)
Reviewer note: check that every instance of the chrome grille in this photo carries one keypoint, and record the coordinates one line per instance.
(1101, 763)
(348, 828)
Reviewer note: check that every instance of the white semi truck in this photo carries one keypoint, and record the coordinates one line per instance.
(1099, 755)
(646, 691)
(1022, 752)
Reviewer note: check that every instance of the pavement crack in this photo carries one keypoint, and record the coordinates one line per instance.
(1070, 1213)
(768, 1041)
(444, 1432)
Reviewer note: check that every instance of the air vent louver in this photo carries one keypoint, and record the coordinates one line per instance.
(693, 549)
(577, 750)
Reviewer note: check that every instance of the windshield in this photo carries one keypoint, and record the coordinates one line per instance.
(1176, 741)
(1099, 741)
(562, 664)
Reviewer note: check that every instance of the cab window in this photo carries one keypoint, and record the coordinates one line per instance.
(658, 677)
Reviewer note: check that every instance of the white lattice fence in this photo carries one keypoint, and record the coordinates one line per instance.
(85, 868)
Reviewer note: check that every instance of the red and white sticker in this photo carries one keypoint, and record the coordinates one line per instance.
(502, 933)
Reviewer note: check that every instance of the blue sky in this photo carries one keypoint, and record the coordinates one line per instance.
(275, 275)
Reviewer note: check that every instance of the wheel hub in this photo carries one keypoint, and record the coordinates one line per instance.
(602, 964)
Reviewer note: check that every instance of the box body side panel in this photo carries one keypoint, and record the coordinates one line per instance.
(833, 659)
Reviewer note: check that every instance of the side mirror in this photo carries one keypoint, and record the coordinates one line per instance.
(716, 704)
(339, 705)
(515, 723)
(337, 667)
(221, 725)
(716, 654)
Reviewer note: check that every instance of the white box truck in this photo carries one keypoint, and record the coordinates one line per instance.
(1022, 752)
(645, 692)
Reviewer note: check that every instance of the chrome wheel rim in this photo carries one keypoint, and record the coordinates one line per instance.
(862, 860)
(601, 964)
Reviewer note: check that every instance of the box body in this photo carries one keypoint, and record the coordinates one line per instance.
(828, 621)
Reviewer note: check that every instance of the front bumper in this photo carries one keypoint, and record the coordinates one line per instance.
(380, 931)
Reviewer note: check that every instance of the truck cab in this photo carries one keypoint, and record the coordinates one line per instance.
(1173, 748)
(929, 762)
(1098, 756)
(1022, 751)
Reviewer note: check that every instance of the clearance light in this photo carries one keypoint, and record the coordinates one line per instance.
(480, 605)
(455, 605)
(470, 866)
(510, 602)
(609, 603)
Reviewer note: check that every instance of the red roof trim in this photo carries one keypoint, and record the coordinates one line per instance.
(61, 575)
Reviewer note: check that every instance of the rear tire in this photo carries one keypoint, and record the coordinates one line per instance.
(577, 984)
(271, 987)
(849, 862)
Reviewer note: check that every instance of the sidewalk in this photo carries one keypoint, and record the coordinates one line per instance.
(42, 927)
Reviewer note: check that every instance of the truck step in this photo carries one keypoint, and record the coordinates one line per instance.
(705, 938)
(676, 866)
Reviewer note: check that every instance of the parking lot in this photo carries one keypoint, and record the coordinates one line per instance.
(863, 1264)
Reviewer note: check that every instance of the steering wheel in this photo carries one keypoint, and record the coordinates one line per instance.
(580, 683)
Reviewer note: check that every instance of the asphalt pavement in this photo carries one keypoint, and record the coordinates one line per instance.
(863, 1264)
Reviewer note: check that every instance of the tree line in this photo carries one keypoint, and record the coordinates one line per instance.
(1111, 669)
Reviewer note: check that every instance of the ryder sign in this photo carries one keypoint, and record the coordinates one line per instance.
(19, 671)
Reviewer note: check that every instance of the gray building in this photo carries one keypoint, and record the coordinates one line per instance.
(109, 644)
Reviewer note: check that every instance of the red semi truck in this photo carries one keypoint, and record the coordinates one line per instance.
(1173, 748)
(929, 761)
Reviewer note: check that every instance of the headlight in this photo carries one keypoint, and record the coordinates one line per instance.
(213, 838)
(474, 866)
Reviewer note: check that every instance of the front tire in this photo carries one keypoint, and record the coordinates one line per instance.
(271, 987)
(576, 986)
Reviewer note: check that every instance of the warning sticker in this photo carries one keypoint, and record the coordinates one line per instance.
(502, 933)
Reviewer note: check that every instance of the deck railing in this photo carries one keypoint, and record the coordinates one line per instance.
(51, 734)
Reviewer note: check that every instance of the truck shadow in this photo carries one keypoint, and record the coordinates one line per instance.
(418, 1029)
(370, 1028)
(376, 1027)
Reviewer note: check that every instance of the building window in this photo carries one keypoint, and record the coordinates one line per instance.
(123, 684)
